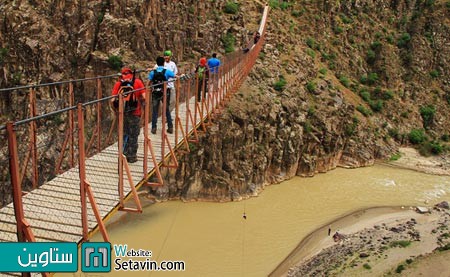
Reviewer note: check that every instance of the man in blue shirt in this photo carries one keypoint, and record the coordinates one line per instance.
(156, 80)
(214, 63)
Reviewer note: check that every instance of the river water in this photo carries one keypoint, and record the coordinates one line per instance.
(213, 239)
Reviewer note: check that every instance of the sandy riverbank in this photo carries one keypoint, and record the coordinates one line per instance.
(372, 245)
(411, 159)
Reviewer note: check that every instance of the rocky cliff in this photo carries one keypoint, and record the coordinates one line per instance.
(339, 83)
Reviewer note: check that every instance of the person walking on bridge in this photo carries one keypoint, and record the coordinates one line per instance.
(172, 66)
(156, 79)
(202, 71)
(213, 65)
(133, 90)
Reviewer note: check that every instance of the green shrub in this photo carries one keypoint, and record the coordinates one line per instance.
(345, 19)
(280, 84)
(228, 42)
(311, 86)
(311, 42)
(409, 261)
(115, 62)
(427, 113)
(363, 110)
(436, 148)
(295, 13)
(338, 29)
(431, 148)
(231, 8)
(369, 79)
(371, 56)
(395, 157)
(429, 3)
(377, 106)
(323, 71)
(388, 94)
(400, 268)
(311, 53)
(3, 53)
(404, 39)
(434, 73)
(400, 243)
(365, 95)
(367, 266)
(445, 137)
(390, 39)
(416, 136)
(307, 127)
(284, 5)
(376, 45)
(350, 129)
(274, 4)
(345, 81)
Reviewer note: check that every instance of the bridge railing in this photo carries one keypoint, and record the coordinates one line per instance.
(59, 137)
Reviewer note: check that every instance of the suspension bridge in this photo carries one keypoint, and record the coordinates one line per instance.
(90, 178)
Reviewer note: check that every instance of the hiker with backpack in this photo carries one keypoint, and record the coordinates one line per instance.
(156, 79)
(202, 71)
(133, 91)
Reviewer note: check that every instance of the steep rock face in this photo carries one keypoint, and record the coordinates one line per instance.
(320, 120)
(261, 144)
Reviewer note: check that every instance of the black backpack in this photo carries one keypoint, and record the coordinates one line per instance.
(158, 82)
(130, 103)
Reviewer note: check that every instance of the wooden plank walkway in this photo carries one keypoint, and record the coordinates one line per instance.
(54, 209)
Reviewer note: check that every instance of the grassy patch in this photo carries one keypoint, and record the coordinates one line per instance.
(400, 243)
(311, 86)
(395, 157)
(280, 84)
(427, 113)
(363, 110)
(115, 62)
(228, 42)
(416, 136)
(231, 8)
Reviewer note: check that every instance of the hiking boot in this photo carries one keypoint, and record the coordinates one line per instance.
(131, 159)
(170, 130)
(153, 130)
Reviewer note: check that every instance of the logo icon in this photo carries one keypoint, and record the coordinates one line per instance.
(96, 257)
